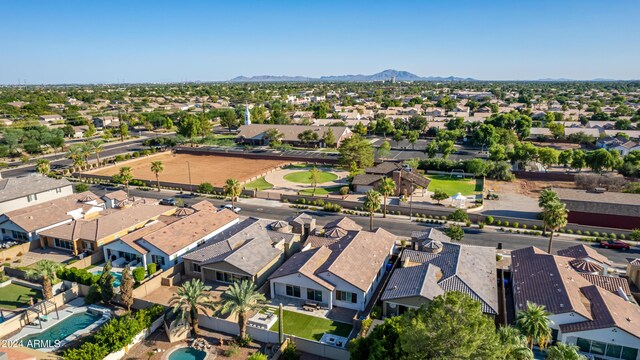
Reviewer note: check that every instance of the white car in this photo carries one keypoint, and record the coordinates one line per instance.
(234, 209)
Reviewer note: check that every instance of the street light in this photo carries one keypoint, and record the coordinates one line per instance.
(190, 184)
(411, 201)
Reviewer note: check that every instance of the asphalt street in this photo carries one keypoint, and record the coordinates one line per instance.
(270, 209)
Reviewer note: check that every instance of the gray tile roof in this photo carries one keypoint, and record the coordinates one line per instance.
(582, 251)
(465, 268)
(17, 187)
(612, 203)
(365, 179)
(384, 168)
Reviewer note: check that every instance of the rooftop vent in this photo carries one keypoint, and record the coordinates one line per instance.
(599, 190)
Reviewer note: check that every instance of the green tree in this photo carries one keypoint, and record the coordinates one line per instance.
(446, 147)
(97, 148)
(476, 166)
(384, 126)
(578, 159)
(451, 326)
(371, 204)
(533, 322)
(229, 120)
(274, 137)
(124, 131)
(329, 138)
(156, 168)
(546, 197)
(565, 158)
(233, 189)
(562, 351)
(547, 157)
(360, 129)
(43, 167)
(192, 298)
(601, 159)
(384, 149)
(308, 136)
(387, 188)
(314, 176)
(126, 288)
(554, 217)
(45, 270)
(412, 137)
(105, 282)
(635, 235)
(439, 195)
(432, 149)
(241, 298)
(398, 136)
(513, 344)
(383, 343)
(125, 176)
(455, 232)
(356, 151)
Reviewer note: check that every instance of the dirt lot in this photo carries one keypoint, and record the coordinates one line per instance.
(204, 168)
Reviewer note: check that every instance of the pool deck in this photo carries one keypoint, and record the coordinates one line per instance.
(75, 306)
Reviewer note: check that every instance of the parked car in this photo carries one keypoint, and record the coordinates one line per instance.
(168, 201)
(615, 244)
(234, 209)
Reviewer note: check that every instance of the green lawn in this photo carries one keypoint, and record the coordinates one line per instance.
(258, 184)
(302, 177)
(310, 327)
(453, 185)
(15, 296)
(220, 140)
(322, 191)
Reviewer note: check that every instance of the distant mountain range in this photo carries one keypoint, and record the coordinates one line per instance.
(386, 75)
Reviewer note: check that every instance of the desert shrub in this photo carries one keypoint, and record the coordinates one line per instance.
(138, 274)
(489, 220)
(151, 268)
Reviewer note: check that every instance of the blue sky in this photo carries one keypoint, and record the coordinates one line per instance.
(157, 41)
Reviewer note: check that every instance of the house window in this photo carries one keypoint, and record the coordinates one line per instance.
(315, 295)
(58, 190)
(196, 268)
(159, 260)
(229, 277)
(293, 291)
(19, 235)
(612, 351)
(32, 197)
(346, 296)
(629, 353)
(63, 244)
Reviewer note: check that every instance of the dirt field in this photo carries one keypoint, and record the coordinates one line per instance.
(204, 168)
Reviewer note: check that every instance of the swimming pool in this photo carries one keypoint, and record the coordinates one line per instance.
(117, 278)
(60, 331)
(187, 353)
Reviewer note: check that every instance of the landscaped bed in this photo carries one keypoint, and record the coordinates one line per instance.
(303, 177)
(310, 327)
(321, 191)
(15, 296)
(453, 185)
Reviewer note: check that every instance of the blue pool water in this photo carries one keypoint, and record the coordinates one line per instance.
(60, 330)
(187, 353)
(118, 278)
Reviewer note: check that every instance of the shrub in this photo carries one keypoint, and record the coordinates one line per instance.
(534, 227)
(344, 190)
(332, 207)
(506, 223)
(376, 312)
(613, 236)
(569, 231)
(596, 234)
(578, 232)
(81, 188)
(138, 274)
(516, 224)
(291, 352)
(489, 220)
(622, 237)
(93, 296)
(481, 225)
(232, 351)
(151, 268)
(499, 223)
(467, 223)
(257, 356)
(205, 188)
(244, 342)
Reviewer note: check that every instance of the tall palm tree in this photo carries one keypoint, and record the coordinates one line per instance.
(233, 189)
(534, 324)
(314, 176)
(191, 298)
(372, 204)
(43, 167)
(157, 168)
(562, 351)
(45, 269)
(97, 149)
(554, 218)
(546, 196)
(514, 345)
(86, 149)
(387, 188)
(240, 298)
(125, 177)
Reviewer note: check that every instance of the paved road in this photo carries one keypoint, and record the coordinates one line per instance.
(60, 160)
(270, 209)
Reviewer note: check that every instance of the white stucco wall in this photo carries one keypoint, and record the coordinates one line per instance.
(614, 336)
(278, 287)
(44, 196)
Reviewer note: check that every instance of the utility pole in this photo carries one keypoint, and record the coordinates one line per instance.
(411, 201)
(190, 184)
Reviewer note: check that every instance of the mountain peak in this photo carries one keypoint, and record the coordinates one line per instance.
(385, 75)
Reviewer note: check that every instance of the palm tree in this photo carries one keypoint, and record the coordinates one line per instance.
(387, 187)
(546, 196)
(233, 189)
(97, 149)
(554, 218)
(191, 298)
(157, 168)
(45, 269)
(75, 153)
(43, 166)
(125, 177)
(86, 149)
(371, 204)
(314, 176)
(240, 298)
(562, 351)
(534, 324)
(514, 344)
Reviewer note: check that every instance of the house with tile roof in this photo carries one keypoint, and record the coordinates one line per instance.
(165, 240)
(437, 265)
(27, 223)
(20, 192)
(404, 178)
(584, 311)
(251, 249)
(255, 134)
(336, 273)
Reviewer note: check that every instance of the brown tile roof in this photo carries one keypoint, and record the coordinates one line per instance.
(609, 283)
(306, 263)
(582, 251)
(365, 179)
(38, 216)
(17, 187)
(315, 241)
(344, 223)
(117, 195)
